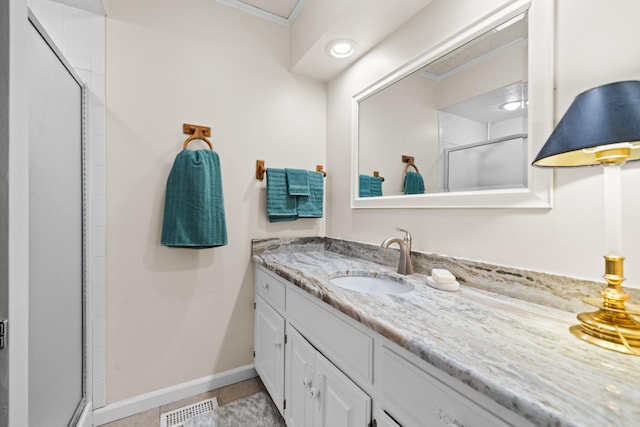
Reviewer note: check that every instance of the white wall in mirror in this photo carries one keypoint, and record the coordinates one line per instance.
(420, 98)
(567, 239)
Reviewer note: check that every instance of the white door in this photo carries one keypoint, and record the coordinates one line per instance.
(299, 374)
(57, 389)
(269, 348)
(338, 401)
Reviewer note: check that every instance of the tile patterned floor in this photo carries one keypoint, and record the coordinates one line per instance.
(225, 395)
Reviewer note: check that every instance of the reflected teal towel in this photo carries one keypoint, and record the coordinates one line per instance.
(311, 206)
(369, 186)
(413, 183)
(280, 205)
(375, 184)
(297, 182)
(364, 185)
(194, 207)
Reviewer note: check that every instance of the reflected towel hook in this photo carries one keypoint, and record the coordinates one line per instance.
(377, 175)
(409, 160)
(196, 132)
(261, 170)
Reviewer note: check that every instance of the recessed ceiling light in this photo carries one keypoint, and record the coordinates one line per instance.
(341, 48)
(511, 106)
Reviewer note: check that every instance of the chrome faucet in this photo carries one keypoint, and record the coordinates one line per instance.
(404, 265)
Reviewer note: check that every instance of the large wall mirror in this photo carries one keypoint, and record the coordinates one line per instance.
(459, 125)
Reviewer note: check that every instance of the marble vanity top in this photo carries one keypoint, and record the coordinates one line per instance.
(518, 353)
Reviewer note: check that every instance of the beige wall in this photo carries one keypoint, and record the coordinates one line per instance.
(174, 315)
(596, 43)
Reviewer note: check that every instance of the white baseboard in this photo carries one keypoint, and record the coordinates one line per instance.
(144, 402)
(86, 418)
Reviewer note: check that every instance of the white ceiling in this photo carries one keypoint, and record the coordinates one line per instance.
(94, 6)
(485, 108)
(282, 12)
(314, 23)
(281, 8)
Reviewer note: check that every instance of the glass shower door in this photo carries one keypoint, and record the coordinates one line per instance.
(57, 392)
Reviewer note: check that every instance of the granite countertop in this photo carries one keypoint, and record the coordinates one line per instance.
(518, 353)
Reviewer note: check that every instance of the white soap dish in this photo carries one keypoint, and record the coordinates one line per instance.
(451, 287)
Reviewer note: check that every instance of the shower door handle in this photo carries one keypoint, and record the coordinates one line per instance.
(3, 334)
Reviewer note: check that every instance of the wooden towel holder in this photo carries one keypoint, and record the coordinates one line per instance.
(196, 132)
(377, 175)
(261, 170)
(409, 160)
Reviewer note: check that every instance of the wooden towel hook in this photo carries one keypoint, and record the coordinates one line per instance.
(409, 160)
(196, 132)
(320, 169)
(377, 175)
(260, 170)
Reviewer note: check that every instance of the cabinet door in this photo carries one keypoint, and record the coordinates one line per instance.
(298, 374)
(414, 398)
(338, 402)
(269, 348)
(384, 420)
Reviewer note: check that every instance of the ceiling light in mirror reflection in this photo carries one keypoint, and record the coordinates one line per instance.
(512, 105)
(447, 114)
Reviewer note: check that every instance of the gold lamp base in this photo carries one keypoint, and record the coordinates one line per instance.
(612, 326)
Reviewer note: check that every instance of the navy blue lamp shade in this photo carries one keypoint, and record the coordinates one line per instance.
(608, 114)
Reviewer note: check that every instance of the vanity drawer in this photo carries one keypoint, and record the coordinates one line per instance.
(415, 399)
(270, 288)
(345, 346)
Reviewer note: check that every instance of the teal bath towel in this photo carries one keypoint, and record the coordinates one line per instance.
(364, 185)
(297, 182)
(369, 186)
(413, 183)
(280, 205)
(194, 207)
(375, 184)
(311, 206)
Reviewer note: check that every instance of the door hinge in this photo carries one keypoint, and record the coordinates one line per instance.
(254, 305)
(284, 404)
(285, 339)
(373, 423)
(3, 334)
(254, 353)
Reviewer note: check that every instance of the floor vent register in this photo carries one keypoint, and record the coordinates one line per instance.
(177, 417)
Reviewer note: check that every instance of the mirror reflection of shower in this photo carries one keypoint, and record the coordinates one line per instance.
(462, 115)
(483, 141)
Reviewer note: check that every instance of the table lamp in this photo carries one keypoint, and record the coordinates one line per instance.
(602, 127)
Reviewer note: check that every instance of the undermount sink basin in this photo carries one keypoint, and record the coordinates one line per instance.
(371, 284)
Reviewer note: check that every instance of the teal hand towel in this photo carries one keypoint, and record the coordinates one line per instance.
(364, 184)
(375, 184)
(413, 183)
(311, 206)
(194, 207)
(297, 182)
(280, 205)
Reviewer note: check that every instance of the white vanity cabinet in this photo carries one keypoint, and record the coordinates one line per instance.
(325, 375)
(269, 350)
(317, 393)
(384, 420)
(412, 397)
(269, 336)
(308, 389)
